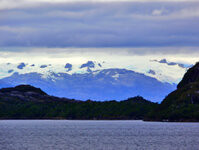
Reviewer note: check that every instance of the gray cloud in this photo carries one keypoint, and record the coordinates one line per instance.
(89, 24)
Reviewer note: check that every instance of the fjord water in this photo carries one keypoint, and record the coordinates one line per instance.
(97, 135)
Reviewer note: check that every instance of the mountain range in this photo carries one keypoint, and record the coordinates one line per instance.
(28, 102)
(90, 80)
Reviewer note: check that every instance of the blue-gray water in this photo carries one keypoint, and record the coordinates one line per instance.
(97, 135)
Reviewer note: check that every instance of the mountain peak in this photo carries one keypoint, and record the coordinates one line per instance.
(89, 64)
(68, 66)
(21, 65)
(163, 61)
(151, 72)
(43, 66)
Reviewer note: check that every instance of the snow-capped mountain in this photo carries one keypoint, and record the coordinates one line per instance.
(162, 70)
(95, 80)
(7, 69)
(106, 84)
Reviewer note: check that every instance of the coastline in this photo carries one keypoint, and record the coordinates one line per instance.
(58, 119)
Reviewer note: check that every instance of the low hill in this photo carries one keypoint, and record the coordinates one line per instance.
(28, 102)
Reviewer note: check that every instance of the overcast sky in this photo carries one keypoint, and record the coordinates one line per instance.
(141, 26)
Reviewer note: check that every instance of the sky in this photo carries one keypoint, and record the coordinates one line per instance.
(77, 23)
(51, 30)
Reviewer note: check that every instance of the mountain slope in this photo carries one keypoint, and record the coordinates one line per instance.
(183, 103)
(4, 84)
(106, 84)
(191, 76)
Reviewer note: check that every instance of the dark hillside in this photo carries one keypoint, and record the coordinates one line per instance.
(27, 102)
(183, 103)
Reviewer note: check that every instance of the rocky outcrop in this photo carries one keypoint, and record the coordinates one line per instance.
(21, 66)
(89, 64)
(68, 66)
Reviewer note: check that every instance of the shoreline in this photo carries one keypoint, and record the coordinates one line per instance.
(54, 119)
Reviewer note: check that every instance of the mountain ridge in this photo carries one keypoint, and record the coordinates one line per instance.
(31, 103)
(7, 69)
(104, 85)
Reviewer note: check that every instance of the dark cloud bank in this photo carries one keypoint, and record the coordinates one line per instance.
(127, 24)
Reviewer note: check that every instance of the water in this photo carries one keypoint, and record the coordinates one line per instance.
(97, 135)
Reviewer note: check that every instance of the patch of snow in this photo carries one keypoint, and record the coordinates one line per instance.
(116, 76)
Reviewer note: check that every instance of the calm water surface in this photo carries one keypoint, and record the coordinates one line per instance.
(97, 135)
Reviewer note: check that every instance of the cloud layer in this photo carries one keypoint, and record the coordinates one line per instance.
(98, 24)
